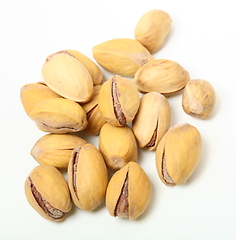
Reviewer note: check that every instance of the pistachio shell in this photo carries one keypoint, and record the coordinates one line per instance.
(117, 145)
(162, 75)
(128, 192)
(87, 177)
(121, 56)
(118, 100)
(198, 99)
(33, 93)
(178, 154)
(55, 149)
(152, 120)
(67, 76)
(48, 193)
(59, 115)
(152, 29)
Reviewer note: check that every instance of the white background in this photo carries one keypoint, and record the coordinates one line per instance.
(202, 40)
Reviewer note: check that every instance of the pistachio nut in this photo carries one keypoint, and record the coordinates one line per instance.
(152, 120)
(91, 66)
(59, 115)
(94, 117)
(128, 192)
(198, 99)
(33, 93)
(162, 75)
(55, 149)
(121, 56)
(48, 193)
(117, 145)
(118, 100)
(152, 29)
(87, 177)
(67, 76)
(178, 154)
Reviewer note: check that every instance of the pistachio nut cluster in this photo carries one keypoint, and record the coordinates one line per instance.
(127, 113)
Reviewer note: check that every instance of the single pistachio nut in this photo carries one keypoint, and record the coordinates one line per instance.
(152, 29)
(91, 66)
(117, 145)
(94, 117)
(67, 76)
(33, 93)
(121, 56)
(59, 115)
(87, 177)
(48, 193)
(198, 99)
(178, 154)
(128, 192)
(152, 120)
(161, 75)
(55, 149)
(118, 100)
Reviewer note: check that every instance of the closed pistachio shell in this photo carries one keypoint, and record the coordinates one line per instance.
(128, 192)
(152, 120)
(55, 149)
(118, 100)
(48, 193)
(87, 177)
(198, 99)
(117, 145)
(152, 29)
(68, 77)
(178, 154)
(121, 56)
(161, 75)
(59, 115)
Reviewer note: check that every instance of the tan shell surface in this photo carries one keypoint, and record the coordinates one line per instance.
(121, 56)
(161, 75)
(152, 29)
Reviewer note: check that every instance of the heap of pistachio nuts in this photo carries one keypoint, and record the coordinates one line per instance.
(128, 111)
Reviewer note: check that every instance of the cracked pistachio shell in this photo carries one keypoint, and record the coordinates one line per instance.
(118, 100)
(162, 75)
(117, 145)
(152, 29)
(152, 120)
(48, 193)
(121, 56)
(55, 149)
(33, 93)
(87, 177)
(94, 117)
(198, 99)
(59, 115)
(91, 66)
(178, 154)
(67, 76)
(128, 192)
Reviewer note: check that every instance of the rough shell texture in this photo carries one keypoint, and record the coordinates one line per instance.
(198, 99)
(59, 115)
(87, 177)
(162, 75)
(67, 76)
(55, 149)
(178, 154)
(121, 56)
(152, 120)
(118, 100)
(152, 29)
(128, 192)
(48, 193)
(117, 145)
